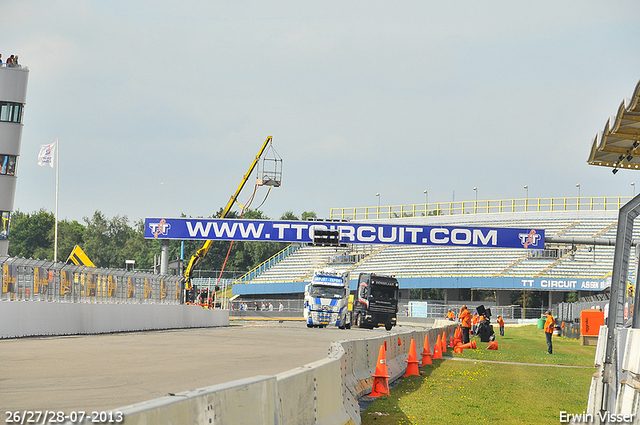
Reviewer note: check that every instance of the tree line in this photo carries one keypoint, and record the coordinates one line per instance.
(108, 242)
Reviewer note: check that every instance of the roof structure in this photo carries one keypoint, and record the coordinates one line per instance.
(618, 145)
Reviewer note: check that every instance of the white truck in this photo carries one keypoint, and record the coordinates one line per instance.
(326, 300)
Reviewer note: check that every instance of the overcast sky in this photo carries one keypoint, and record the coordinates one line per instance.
(160, 106)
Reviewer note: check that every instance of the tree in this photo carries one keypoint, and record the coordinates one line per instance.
(105, 240)
(30, 235)
(288, 215)
(308, 214)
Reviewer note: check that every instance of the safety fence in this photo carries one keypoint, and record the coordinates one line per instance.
(41, 280)
(439, 311)
(325, 392)
(570, 312)
(481, 207)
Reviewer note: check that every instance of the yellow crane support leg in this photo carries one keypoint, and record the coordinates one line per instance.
(205, 247)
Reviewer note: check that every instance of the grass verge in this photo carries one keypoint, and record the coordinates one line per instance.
(479, 391)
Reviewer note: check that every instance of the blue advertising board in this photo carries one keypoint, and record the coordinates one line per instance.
(350, 232)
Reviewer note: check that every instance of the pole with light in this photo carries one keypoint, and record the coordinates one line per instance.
(475, 206)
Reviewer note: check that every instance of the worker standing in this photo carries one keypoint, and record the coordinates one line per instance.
(501, 324)
(475, 321)
(465, 323)
(549, 325)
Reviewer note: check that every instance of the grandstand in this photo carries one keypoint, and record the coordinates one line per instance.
(465, 267)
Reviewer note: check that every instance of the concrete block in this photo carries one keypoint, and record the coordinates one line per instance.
(246, 401)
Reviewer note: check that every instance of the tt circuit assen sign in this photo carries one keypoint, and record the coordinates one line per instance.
(350, 232)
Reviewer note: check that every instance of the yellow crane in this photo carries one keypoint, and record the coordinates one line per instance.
(199, 254)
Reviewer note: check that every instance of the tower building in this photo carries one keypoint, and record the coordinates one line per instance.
(13, 94)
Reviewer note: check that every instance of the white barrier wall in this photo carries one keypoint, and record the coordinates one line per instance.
(321, 393)
(37, 318)
(623, 397)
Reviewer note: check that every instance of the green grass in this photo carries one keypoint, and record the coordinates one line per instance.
(477, 391)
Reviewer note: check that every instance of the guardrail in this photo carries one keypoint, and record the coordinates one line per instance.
(480, 207)
(325, 392)
(40, 280)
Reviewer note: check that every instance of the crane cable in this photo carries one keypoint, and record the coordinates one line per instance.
(244, 207)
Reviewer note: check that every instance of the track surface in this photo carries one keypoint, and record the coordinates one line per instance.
(98, 372)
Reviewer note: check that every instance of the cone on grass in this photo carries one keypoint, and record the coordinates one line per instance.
(437, 349)
(457, 338)
(412, 362)
(444, 342)
(458, 349)
(380, 377)
(426, 352)
(451, 344)
(493, 345)
(471, 344)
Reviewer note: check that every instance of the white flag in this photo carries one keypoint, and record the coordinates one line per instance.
(46, 155)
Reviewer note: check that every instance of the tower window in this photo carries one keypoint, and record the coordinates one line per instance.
(8, 165)
(11, 112)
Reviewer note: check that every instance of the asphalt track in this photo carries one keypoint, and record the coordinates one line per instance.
(99, 372)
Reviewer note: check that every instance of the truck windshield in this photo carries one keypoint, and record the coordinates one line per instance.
(321, 291)
(383, 292)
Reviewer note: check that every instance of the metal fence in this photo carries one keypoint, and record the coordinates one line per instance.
(438, 310)
(40, 280)
(480, 207)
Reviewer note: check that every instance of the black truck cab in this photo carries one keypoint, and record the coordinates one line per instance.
(376, 301)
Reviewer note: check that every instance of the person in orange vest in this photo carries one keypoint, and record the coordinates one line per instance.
(465, 323)
(475, 321)
(549, 325)
(501, 324)
(451, 315)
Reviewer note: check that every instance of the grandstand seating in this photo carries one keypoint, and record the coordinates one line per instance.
(591, 262)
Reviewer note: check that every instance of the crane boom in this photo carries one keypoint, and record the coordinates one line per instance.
(199, 254)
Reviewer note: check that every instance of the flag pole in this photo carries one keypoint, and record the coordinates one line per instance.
(55, 237)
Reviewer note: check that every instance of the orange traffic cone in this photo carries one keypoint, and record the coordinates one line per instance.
(426, 352)
(399, 341)
(457, 338)
(380, 377)
(471, 344)
(437, 349)
(451, 342)
(412, 363)
(493, 345)
(458, 349)
(444, 342)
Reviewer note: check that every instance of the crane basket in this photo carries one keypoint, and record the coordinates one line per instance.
(270, 168)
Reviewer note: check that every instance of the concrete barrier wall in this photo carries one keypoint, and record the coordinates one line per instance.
(37, 318)
(623, 386)
(325, 392)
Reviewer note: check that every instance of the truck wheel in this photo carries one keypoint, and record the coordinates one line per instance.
(347, 326)
(388, 326)
(356, 321)
(309, 325)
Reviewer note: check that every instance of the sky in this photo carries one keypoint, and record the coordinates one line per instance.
(161, 106)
